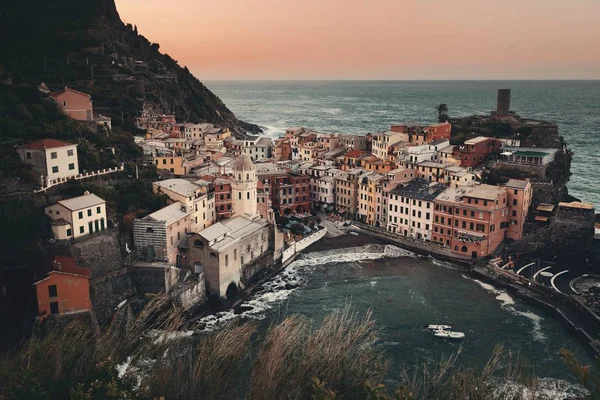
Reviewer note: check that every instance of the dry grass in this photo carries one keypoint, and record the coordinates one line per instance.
(207, 368)
(340, 352)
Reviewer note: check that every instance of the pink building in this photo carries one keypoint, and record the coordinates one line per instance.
(75, 104)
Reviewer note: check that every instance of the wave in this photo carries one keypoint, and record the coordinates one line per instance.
(507, 303)
(283, 285)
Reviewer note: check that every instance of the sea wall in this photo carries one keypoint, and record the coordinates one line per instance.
(303, 244)
(416, 245)
(190, 294)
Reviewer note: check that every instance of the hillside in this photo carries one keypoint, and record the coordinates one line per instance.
(85, 45)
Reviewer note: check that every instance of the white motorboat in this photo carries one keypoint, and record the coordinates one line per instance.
(354, 233)
(437, 327)
(444, 333)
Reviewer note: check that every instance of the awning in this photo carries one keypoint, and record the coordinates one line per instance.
(541, 218)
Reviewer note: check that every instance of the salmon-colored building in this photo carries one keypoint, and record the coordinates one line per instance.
(471, 220)
(282, 149)
(75, 104)
(474, 151)
(65, 290)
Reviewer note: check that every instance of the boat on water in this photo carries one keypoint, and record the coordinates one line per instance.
(437, 327)
(354, 233)
(444, 333)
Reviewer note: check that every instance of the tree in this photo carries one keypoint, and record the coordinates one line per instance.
(442, 110)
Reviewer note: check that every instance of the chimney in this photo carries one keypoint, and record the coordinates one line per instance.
(86, 192)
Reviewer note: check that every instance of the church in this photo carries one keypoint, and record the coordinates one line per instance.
(222, 251)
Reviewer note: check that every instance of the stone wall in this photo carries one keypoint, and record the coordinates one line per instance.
(302, 244)
(190, 294)
(107, 291)
(260, 268)
(148, 277)
(99, 252)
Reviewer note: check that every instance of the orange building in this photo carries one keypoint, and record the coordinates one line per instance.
(65, 290)
(471, 220)
(379, 166)
(75, 104)
(519, 200)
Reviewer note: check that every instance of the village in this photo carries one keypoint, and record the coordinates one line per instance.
(240, 210)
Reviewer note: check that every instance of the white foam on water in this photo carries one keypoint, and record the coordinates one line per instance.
(546, 388)
(373, 283)
(286, 282)
(508, 304)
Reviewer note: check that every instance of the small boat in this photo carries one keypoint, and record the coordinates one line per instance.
(437, 327)
(443, 333)
(354, 233)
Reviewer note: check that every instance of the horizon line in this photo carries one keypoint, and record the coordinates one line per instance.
(400, 80)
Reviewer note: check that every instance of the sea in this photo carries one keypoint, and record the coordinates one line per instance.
(406, 291)
(362, 107)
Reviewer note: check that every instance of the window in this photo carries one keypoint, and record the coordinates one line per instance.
(52, 291)
(514, 202)
(234, 254)
(89, 212)
(81, 229)
(70, 153)
(53, 155)
(55, 170)
(80, 214)
(164, 161)
(28, 155)
(226, 260)
(514, 213)
(71, 167)
(69, 232)
(53, 307)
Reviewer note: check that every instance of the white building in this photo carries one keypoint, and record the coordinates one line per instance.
(410, 208)
(76, 217)
(53, 160)
(243, 186)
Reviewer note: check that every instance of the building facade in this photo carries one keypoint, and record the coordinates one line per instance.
(53, 160)
(77, 217)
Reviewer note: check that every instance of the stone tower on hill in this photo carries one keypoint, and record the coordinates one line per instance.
(244, 187)
(503, 103)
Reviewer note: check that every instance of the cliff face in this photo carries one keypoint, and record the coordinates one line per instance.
(85, 45)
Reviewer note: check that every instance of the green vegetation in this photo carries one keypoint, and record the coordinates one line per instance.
(295, 359)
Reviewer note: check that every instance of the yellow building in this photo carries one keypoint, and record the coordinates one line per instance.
(170, 163)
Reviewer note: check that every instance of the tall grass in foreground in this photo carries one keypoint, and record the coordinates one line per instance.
(337, 359)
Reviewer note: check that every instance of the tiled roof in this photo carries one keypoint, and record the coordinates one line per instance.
(46, 144)
(81, 202)
(354, 153)
(68, 265)
(54, 94)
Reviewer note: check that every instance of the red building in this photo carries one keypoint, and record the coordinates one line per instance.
(223, 201)
(291, 194)
(65, 290)
(475, 151)
(438, 131)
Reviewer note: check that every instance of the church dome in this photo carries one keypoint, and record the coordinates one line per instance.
(243, 163)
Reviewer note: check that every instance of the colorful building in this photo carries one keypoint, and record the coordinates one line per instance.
(75, 104)
(438, 131)
(519, 202)
(471, 220)
(475, 151)
(65, 289)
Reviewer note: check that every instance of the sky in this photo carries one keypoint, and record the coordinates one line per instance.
(374, 39)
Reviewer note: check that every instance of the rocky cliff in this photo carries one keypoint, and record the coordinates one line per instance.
(85, 45)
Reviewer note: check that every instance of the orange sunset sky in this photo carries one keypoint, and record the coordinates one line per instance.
(375, 39)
